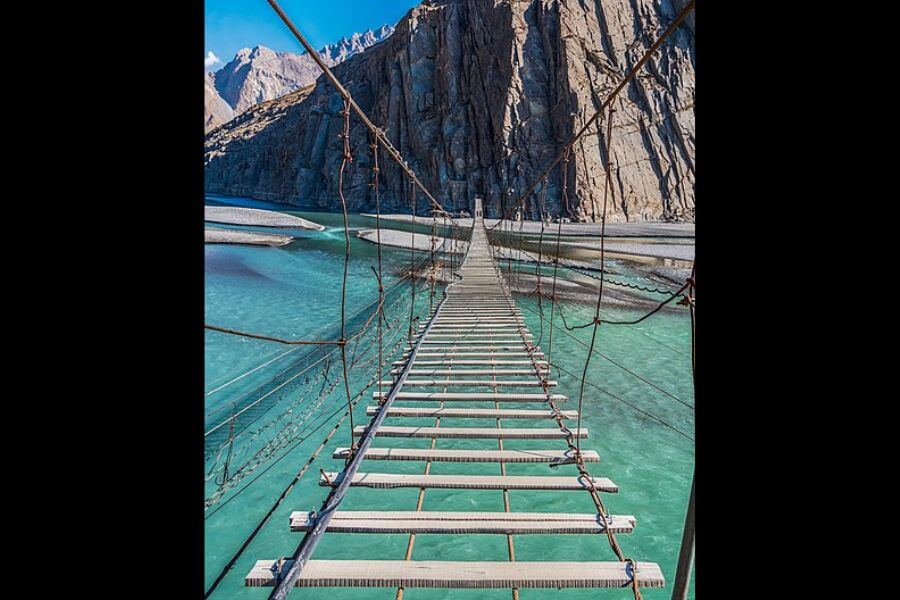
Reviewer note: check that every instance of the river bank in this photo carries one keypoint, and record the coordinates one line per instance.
(642, 262)
(654, 229)
(235, 215)
(215, 235)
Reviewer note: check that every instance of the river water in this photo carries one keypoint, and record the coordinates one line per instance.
(294, 292)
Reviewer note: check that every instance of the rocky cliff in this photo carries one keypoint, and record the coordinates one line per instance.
(217, 110)
(479, 96)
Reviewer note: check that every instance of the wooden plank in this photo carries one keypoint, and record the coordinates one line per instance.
(452, 355)
(424, 515)
(519, 348)
(476, 316)
(471, 312)
(471, 482)
(472, 397)
(470, 382)
(478, 327)
(468, 315)
(467, 362)
(471, 413)
(479, 321)
(452, 313)
(474, 456)
(467, 372)
(461, 575)
(493, 433)
(463, 523)
(433, 345)
(471, 336)
(453, 307)
(475, 333)
(477, 340)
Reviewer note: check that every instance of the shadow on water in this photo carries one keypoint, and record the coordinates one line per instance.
(221, 261)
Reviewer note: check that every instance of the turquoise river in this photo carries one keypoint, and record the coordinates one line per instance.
(294, 292)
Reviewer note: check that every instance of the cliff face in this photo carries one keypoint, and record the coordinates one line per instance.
(217, 110)
(479, 96)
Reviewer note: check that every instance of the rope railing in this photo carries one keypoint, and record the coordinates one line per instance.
(290, 373)
(287, 580)
(294, 481)
(596, 322)
(574, 447)
(563, 159)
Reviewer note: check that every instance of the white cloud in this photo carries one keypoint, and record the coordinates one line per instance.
(211, 59)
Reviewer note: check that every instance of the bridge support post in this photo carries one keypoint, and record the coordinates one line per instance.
(686, 555)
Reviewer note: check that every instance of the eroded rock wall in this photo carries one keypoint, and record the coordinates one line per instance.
(479, 96)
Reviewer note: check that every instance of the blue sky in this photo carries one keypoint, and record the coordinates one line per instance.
(234, 24)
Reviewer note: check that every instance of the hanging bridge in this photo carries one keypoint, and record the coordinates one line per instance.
(476, 344)
(473, 359)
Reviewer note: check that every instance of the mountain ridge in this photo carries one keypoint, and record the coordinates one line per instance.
(479, 96)
(260, 74)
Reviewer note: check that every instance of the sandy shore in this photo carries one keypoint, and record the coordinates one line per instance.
(215, 235)
(671, 251)
(532, 257)
(404, 239)
(661, 262)
(233, 215)
(635, 229)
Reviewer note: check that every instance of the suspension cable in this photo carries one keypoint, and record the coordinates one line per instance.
(379, 134)
(606, 190)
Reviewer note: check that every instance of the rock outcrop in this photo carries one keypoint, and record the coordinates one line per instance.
(217, 110)
(260, 74)
(479, 96)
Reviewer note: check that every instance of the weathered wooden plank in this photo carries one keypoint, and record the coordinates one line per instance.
(472, 397)
(470, 316)
(467, 372)
(473, 482)
(493, 433)
(464, 362)
(472, 335)
(454, 308)
(473, 456)
(470, 382)
(425, 515)
(484, 328)
(465, 523)
(479, 321)
(461, 310)
(461, 575)
(453, 353)
(473, 344)
(471, 413)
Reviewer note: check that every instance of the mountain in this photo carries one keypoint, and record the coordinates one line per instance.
(217, 110)
(479, 96)
(260, 74)
(345, 48)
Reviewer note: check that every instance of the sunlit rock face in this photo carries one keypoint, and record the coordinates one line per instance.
(479, 96)
(217, 110)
